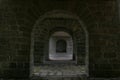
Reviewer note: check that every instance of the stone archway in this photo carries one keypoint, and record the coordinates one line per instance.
(60, 46)
(59, 21)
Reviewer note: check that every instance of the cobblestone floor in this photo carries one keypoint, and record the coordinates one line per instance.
(59, 70)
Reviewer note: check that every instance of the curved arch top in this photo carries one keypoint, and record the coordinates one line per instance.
(60, 14)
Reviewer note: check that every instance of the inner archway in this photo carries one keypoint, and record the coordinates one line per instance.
(60, 46)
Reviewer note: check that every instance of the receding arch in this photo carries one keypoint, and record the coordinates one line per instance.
(55, 21)
(60, 46)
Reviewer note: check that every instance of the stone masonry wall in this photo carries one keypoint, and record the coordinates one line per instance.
(17, 18)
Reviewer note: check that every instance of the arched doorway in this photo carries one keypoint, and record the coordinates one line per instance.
(51, 30)
(60, 46)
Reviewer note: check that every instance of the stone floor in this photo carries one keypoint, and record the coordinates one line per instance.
(59, 71)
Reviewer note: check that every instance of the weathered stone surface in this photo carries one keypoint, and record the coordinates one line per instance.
(59, 70)
(17, 18)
